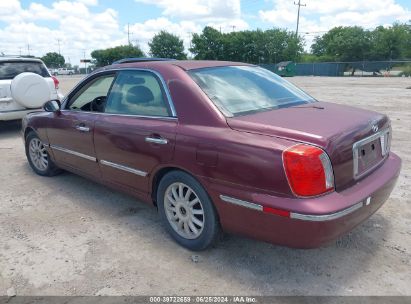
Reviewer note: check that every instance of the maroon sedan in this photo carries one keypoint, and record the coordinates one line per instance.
(220, 146)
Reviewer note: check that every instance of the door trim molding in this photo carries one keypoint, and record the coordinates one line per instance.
(124, 168)
(74, 153)
(102, 161)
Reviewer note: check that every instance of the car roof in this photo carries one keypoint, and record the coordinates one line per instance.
(183, 64)
(9, 58)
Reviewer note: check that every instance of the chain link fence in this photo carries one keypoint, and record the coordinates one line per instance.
(357, 68)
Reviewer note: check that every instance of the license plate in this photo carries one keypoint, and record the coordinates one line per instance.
(367, 153)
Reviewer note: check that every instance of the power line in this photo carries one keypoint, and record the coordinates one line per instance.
(298, 15)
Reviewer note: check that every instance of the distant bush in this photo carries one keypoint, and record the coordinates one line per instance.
(406, 71)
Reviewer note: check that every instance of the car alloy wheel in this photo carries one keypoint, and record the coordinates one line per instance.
(184, 210)
(187, 211)
(38, 154)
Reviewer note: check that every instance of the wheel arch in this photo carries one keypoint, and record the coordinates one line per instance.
(43, 138)
(27, 131)
(158, 175)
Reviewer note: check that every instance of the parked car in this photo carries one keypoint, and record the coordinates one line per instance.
(220, 146)
(53, 72)
(25, 84)
(64, 71)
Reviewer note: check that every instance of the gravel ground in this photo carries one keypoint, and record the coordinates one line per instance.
(70, 236)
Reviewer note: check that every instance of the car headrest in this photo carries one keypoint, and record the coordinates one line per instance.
(139, 94)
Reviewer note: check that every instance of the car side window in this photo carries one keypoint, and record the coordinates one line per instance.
(137, 93)
(92, 96)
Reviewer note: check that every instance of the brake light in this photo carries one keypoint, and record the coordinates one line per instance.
(56, 82)
(308, 169)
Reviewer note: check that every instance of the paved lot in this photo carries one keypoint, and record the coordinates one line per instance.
(70, 236)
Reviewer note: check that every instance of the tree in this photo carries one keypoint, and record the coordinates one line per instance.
(108, 56)
(53, 60)
(390, 42)
(208, 45)
(270, 46)
(166, 45)
(356, 44)
(351, 43)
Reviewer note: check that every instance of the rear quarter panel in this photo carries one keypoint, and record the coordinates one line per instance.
(234, 159)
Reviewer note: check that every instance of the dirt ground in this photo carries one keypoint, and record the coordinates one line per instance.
(70, 236)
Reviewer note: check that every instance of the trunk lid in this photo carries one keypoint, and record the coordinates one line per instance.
(350, 136)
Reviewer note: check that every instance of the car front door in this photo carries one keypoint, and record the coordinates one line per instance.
(71, 131)
(136, 133)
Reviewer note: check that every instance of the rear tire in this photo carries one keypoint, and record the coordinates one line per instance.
(38, 157)
(187, 211)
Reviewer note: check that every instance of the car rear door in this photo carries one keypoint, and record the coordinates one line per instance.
(71, 131)
(136, 133)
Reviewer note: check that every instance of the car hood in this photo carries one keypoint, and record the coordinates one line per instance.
(333, 127)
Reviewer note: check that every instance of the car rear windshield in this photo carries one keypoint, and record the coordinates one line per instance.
(10, 69)
(241, 90)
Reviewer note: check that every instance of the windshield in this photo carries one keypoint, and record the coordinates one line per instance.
(240, 90)
(10, 69)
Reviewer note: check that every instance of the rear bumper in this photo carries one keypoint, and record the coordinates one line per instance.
(15, 114)
(304, 223)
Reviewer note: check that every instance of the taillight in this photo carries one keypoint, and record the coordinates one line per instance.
(308, 169)
(56, 82)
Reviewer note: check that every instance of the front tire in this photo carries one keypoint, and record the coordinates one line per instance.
(38, 157)
(186, 211)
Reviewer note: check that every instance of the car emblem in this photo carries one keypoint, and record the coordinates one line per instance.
(374, 128)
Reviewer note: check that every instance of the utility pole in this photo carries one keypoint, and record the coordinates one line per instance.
(128, 33)
(58, 42)
(28, 49)
(298, 15)
(233, 26)
(190, 36)
(85, 63)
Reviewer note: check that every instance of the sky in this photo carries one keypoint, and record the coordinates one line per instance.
(77, 27)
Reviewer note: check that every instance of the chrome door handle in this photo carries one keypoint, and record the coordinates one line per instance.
(83, 128)
(160, 141)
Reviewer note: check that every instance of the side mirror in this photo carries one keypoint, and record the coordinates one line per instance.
(53, 105)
